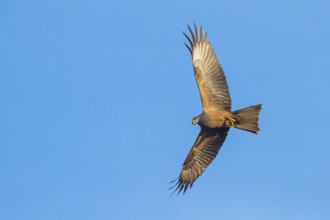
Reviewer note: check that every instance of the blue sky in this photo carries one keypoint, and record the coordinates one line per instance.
(97, 99)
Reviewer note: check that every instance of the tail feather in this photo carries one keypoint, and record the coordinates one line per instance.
(248, 118)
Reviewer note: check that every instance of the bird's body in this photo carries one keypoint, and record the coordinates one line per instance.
(214, 119)
(217, 117)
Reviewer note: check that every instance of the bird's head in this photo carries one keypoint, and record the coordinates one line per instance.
(196, 120)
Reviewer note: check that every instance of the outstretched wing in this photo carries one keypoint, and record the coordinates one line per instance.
(209, 74)
(203, 152)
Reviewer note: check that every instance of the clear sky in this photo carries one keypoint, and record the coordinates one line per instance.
(97, 99)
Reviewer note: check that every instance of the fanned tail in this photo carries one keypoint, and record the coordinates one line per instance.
(248, 118)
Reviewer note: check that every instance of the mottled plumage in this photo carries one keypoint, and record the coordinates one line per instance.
(217, 118)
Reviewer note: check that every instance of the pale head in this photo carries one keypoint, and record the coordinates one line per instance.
(196, 119)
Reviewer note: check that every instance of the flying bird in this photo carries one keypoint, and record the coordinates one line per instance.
(217, 117)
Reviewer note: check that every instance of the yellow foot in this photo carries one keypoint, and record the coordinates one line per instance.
(230, 122)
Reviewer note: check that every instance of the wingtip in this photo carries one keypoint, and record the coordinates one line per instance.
(201, 33)
(188, 48)
(174, 180)
(196, 32)
(179, 187)
(192, 34)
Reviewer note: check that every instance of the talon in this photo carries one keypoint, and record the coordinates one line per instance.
(230, 122)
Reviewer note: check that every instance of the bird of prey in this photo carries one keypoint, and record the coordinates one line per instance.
(217, 117)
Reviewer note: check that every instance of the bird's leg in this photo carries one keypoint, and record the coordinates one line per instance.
(230, 122)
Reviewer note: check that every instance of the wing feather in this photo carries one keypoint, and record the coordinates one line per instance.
(203, 152)
(210, 77)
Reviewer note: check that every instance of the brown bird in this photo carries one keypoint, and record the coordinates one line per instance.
(217, 117)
